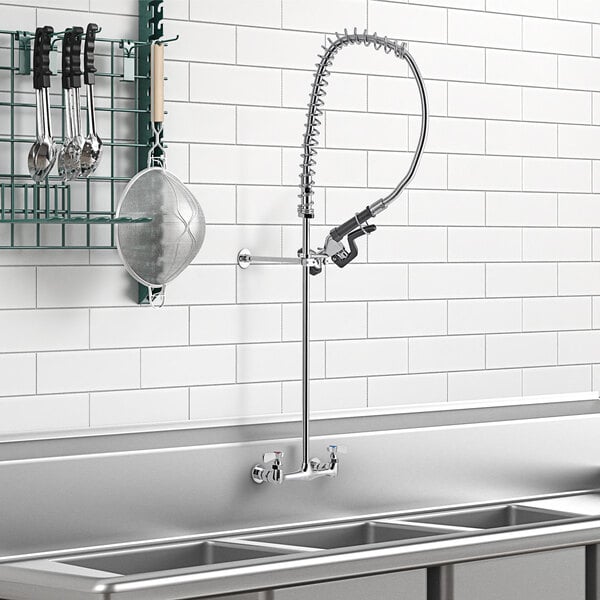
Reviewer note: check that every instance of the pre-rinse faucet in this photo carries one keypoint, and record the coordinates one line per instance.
(333, 248)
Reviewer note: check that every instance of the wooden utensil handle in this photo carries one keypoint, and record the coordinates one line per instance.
(158, 83)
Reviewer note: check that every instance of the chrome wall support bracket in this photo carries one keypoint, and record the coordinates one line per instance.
(245, 258)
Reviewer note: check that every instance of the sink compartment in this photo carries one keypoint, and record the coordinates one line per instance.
(356, 534)
(165, 558)
(495, 517)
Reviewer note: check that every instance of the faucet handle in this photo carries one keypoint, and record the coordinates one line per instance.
(336, 449)
(277, 455)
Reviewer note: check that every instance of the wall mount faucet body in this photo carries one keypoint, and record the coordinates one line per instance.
(333, 250)
(314, 468)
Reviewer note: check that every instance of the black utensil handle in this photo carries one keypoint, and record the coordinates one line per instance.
(66, 59)
(77, 33)
(89, 70)
(41, 57)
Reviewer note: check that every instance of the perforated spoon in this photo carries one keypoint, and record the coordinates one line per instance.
(67, 98)
(69, 159)
(92, 145)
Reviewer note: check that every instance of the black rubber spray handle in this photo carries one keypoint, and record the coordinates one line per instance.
(350, 225)
(89, 69)
(343, 261)
(41, 57)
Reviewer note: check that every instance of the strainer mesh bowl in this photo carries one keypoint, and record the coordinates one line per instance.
(156, 252)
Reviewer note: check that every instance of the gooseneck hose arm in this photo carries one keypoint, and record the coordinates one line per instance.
(383, 203)
(310, 140)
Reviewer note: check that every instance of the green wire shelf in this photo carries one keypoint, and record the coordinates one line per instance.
(77, 220)
(78, 214)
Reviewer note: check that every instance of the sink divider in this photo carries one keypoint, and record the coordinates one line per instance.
(283, 548)
(429, 526)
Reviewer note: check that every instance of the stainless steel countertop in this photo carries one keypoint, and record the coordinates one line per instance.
(43, 577)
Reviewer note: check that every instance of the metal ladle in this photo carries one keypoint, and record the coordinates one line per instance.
(91, 152)
(43, 152)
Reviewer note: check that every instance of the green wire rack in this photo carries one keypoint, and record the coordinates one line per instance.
(78, 214)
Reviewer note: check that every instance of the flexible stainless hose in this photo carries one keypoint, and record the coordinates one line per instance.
(315, 112)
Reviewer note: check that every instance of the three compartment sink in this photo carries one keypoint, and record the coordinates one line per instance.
(495, 517)
(236, 562)
(356, 534)
(226, 552)
(166, 558)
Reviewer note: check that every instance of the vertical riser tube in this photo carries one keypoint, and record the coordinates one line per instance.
(305, 343)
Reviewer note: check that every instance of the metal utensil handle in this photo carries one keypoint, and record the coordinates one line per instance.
(68, 99)
(40, 125)
(46, 118)
(89, 68)
(158, 83)
(76, 112)
(91, 111)
(41, 57)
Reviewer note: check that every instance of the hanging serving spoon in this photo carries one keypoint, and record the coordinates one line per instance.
(67, 99)
(42, 154)
(91, 152)
(69, 159)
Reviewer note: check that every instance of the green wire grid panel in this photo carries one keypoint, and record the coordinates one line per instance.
(78, 214)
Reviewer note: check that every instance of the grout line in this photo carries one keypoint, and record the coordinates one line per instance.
(522, 315)
(439, 9)
(235, 48)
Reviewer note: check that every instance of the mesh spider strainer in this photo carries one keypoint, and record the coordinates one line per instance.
(156, 252)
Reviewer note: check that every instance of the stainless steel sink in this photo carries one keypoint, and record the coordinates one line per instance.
(490, 518)
(165, 558)
(206, 567)
(356, 534)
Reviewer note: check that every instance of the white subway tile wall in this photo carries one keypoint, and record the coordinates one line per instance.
(482, 281)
